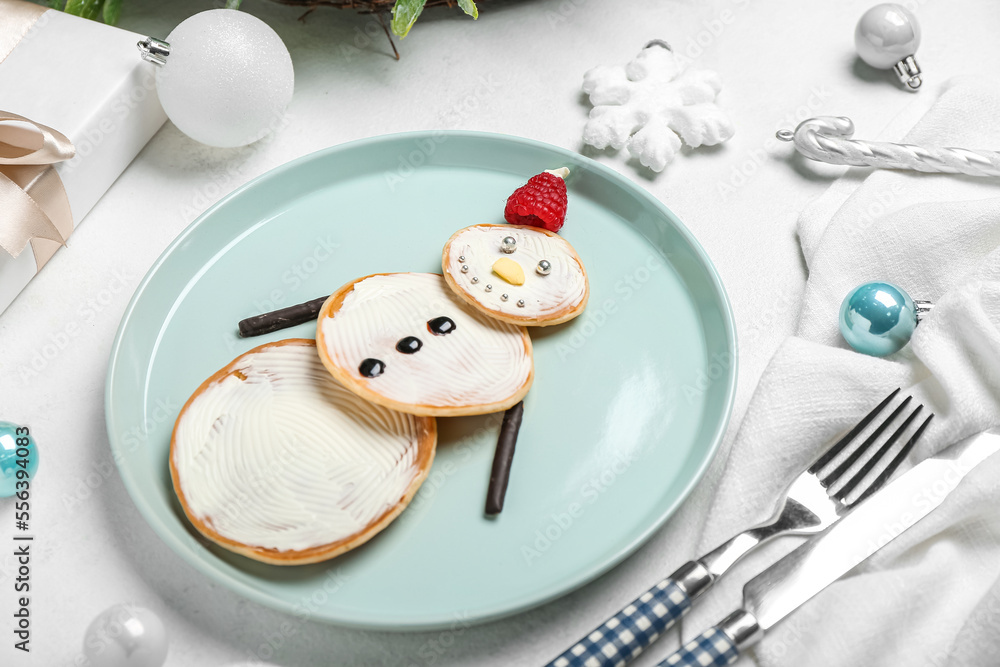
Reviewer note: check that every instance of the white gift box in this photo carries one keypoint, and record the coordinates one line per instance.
(86, 80)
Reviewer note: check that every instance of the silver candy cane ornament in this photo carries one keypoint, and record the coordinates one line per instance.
(828, 139)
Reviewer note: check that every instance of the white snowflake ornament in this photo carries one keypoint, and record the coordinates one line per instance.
(650, 105)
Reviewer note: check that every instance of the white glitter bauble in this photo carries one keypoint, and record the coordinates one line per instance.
(125, 636)
(228, 78)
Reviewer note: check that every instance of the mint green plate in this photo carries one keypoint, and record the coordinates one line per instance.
(629, 403)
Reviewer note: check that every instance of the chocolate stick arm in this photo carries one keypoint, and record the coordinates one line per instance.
(503, 457)
(281, 319)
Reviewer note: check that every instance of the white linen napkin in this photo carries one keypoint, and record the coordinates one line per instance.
(932, 597)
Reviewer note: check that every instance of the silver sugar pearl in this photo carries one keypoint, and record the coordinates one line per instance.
(503, 297)
(520, 303)
(489, 288)
(544, 268)
(461, 258)
(475, 280)
(465, 268)
(508, 245)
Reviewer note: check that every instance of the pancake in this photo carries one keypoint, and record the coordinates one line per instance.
(271, 458)
(469, 261)
(407, 342)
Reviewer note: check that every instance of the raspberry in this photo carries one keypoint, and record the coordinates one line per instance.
(539, 203)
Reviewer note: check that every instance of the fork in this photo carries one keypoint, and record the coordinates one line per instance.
(813, 501)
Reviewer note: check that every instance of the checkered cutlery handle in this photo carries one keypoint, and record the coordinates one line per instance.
(712, 648)
(624, 636)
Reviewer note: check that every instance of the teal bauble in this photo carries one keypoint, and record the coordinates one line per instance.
(877, 319)
(17, 452)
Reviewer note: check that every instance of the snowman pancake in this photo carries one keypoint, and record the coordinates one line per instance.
(406, 342)
(536, 280)
(273, 459)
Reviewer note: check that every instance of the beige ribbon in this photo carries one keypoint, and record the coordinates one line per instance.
(33, 203)
(32, 197)
(16, 19)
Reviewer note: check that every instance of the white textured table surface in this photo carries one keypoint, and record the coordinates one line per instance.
(517, 71)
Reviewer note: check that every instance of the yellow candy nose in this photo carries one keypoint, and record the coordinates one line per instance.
(509, 270)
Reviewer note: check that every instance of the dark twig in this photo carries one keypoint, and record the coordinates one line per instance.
(502, 459)
(307, 13)
(381, 19)
(377, 7)
(291, 316)
(362, 6)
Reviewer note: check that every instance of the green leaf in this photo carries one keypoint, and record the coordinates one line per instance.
(88, 9)
(404, 15)
(233, 4)
(112, 11)
(469, 7)
(56, 4)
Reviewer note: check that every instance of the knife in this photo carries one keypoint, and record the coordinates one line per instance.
(795, 579)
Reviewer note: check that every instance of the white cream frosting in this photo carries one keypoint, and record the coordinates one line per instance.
(544, 296)
(288, 459)
(482, 361)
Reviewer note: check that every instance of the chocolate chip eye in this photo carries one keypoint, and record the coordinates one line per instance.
(409, 345)
(440, 326)
(371, 368)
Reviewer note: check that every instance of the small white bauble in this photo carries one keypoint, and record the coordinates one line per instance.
(886, 34)
(125, 636)
(228, 78)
